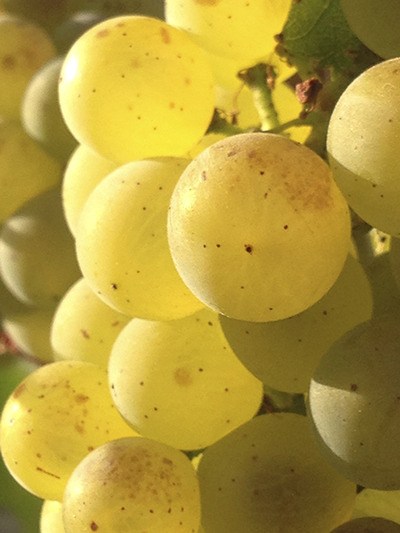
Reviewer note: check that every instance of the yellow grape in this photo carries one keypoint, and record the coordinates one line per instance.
(51, 520)
(161, 85)
(133, 485)
(257, 228)
(52, 420)
(179, 382)
(84, 327)
(24, 48)
(26, 170)
(370, 502)
(125, 219)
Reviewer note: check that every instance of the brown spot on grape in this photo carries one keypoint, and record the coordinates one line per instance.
(353, 387)
(19, 390)
(183, 377)
(204, 175)
(85, 334)
(248, 248)
(43, 471)
(8, 62)
(102, 33)
(165, 36)
(94, 526)
(171, 105)
(79, 428)
(81, 398)
(114, 286)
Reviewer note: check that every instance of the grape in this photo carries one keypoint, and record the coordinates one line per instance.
(133, 484)
(52, 420)
(38, 262)
(25, 169)
(85, 169)
(241, 30)
(285, 353)
(125, 218)
(84, 328)
(161, 85)
(368, 525)
(354, 403)
(370, 502)
(268, 475)
(375, 22)
(51, 520)
(258, 230)
(178, 382)
(364, 159)
(41, 113)
(24, 48)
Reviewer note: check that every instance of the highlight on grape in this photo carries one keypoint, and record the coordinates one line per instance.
(199, 266)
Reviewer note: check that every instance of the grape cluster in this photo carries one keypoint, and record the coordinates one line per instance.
(199, 266)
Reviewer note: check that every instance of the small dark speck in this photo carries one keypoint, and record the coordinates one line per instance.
(209, 323)
(324, 312)
(114, 286)
(94, 526)
(218, 245)
(262, 172)
(204, 175)
(201, 369)
(285, 226)
(353, 387)
(248, 248)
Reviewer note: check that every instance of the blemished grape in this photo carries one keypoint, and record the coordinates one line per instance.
(179, 382)
(161, 82)
(52, 420)
(385, 503)
(268, 475)
(84, 328)
(125, 217)
(354, 404)
(375, 22)
(368, 525)
(133, 484)
(257, 228)
(364, 160)
(51, 520)
(240, 30)
(284, 354)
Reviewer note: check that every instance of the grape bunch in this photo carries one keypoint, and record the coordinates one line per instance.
(199, 266)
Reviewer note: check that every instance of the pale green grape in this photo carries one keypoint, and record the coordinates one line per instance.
(370, 502)
(52, 420)
(364, 159)
(24, 48)
(133, 484)
(84, 327)
(354, 403)
(368, 525)
(161, 86)
(376, 24)
(258, 229)
(179, 382)
(41, 113)
(269, 476)
(26, 170)
(38, 262)
(285, 353)
(241, 30)
(51, 520)
(122, 246)
(85, 169)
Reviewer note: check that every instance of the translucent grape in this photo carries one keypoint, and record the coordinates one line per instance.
(364, 159)
(354, 403)
(368, 525)
(370, 502)
(53, 419)
(24, 48)
(285, 353)
(179, 382)
(133, 485)
(38, 262)
(26, 170)
(268, 475)
(240, 30)
(84, 327)
(51, 520)
(258, 230)
(161, 82)
(125, 218)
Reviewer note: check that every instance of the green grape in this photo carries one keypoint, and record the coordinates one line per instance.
(125, 218)
(354, 403)
(85, 169)
(41, 113)
(51, 520)
(84, 327)
(368, 525)
(26, 170)
(178, 382)
(364, 159)
(269, 476)
(133, 484)
(161, 85)
(285, 353)
(375, 22)
(370, 502)
(243, 31)
(38, 262)
(24, 48)
(52, 420)
(257, 228)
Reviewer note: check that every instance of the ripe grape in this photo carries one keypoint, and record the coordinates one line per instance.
(51, 520)
(257, 228)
